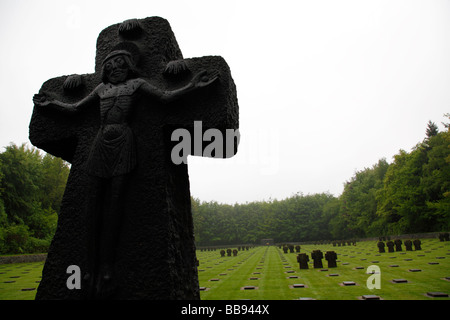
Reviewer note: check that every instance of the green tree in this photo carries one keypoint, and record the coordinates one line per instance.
(359, 201)
(31, 189)
(415, 194)
(436, 182)
(432, 129)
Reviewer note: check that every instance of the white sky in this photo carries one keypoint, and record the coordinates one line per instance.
(325, 88)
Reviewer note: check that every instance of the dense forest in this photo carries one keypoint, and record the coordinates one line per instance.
(31, 190)
(409, 195)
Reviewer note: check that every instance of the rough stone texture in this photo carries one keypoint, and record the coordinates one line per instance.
(23, 258)
(156, 252)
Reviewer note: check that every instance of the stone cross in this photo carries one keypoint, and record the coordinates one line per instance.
(331, 257)
(317, 257)
(302, 259)
(417, 244)
(390, 245)
(125, 222)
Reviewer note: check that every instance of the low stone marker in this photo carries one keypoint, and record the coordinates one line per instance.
(437, 294)
(370, 297)
(399, 281)
(249, 288)
(297, 285)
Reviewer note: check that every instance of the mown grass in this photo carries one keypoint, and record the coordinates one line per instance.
(19, 281)
(274, 282)
(274, 273)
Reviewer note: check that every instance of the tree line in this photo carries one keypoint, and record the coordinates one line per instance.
(31, 190)
(409, 195)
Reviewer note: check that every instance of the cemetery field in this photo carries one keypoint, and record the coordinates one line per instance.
(267, 273)
(276, 275)
(19, 281)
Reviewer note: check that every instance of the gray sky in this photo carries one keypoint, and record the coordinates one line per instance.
(325, 88)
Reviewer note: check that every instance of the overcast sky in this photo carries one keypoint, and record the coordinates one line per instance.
(325, 88)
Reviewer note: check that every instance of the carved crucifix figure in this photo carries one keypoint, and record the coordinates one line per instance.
(125, 218)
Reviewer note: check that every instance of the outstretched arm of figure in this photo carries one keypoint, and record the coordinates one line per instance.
(200, 80)
(40, 100)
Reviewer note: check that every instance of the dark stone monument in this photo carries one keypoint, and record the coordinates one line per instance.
(444, 236)
(398, 244)
(417, 244)
(408, 245)
(126, 218)
(317, 257)
(331, 257)
(302, 259)
(390, 245)
(381, 246)
(222, 253)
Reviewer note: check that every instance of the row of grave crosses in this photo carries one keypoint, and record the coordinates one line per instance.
(317, 256)
(397, 243)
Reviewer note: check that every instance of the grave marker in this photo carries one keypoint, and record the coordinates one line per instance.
(331, 257)
(370, 297)
(437, 294)
(317, 257)
(303, 259)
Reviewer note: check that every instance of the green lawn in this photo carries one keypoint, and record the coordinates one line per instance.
(273, 266)
(19, 281)
(274, 271)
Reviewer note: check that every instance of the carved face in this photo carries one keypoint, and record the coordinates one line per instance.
(116, 69)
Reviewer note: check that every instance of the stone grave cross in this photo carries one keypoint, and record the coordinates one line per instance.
(125, 223)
